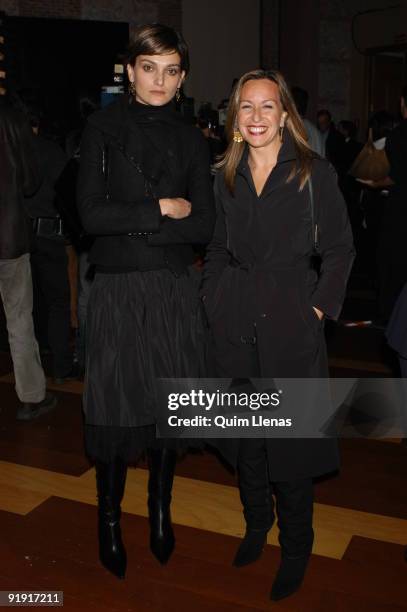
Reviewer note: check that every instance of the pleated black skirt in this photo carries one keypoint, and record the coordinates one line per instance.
(140, 326)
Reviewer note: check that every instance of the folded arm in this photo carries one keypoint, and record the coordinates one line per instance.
(197, 228)
(101, 214)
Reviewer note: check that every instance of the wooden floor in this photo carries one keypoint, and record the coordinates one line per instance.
(48, 526)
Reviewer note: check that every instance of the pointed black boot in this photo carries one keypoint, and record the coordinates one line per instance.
(255, 493)
(289, 577)
(294, 510)
(251, 547)
(110, 480)
(162, 466)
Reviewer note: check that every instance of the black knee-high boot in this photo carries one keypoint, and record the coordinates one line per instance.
(162, 466)
(256, 498)
(111, 480)
(294, 510)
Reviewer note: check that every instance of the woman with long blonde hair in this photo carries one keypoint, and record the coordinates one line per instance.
(277, 205)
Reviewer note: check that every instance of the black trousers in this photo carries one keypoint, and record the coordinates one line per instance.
(49, 264)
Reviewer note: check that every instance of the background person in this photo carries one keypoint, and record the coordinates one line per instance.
(332, 140)
(19, 177)
(315, 141)
(392, 250)
(49, 260)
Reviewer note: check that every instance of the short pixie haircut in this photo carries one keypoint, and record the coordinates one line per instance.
(157, 39)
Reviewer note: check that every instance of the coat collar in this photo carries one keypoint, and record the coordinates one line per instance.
(286, 155)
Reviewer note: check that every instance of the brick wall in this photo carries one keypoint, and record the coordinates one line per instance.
(69, 9)
(132, 11)
(10, 7)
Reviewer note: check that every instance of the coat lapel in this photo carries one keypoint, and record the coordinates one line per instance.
(278, 176)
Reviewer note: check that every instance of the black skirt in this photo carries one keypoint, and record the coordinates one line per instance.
(140, 326)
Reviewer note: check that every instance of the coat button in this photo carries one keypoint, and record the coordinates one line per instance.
(263, 315)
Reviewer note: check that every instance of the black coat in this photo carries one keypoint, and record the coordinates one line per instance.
(258, 271)
(396, 331)
(51, 160)
(19, 177)
(394, 221)
(131, 156)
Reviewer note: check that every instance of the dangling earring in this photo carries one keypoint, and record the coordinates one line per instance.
(132, 88)
(237, 136)
(281, 131)
(178, 95)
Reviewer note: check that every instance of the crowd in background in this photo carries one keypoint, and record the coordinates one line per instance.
(62, 275)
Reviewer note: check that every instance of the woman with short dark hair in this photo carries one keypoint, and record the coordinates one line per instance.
(266, 302)
(145, 193)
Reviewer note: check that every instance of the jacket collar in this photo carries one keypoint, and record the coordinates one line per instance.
(286, 154)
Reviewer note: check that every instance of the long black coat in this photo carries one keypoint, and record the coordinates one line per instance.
(258, 272)
(396, 331)
(19, 177)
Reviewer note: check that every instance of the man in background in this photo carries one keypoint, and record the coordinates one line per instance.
(314, 137)
(332, 140)
(19, 177)
(49, 260)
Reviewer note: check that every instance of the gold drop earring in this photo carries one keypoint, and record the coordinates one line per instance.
(132, 88)
(281, 131)
(237, 136)
(178, 94)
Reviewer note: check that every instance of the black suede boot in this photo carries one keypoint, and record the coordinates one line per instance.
(110, 480)
(162, 466)
(294, 509)
(255, 493)
(289, 577)
(251, 547)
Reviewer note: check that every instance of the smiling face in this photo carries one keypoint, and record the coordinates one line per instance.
(260, 113)
(156, 78)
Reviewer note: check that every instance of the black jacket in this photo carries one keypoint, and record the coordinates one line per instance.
(396, 332)
(259, 271)
(19, 177)
(394, 220)
(131, 156)
(51, 160)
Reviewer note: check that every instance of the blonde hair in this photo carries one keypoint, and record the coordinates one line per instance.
(230, 160)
